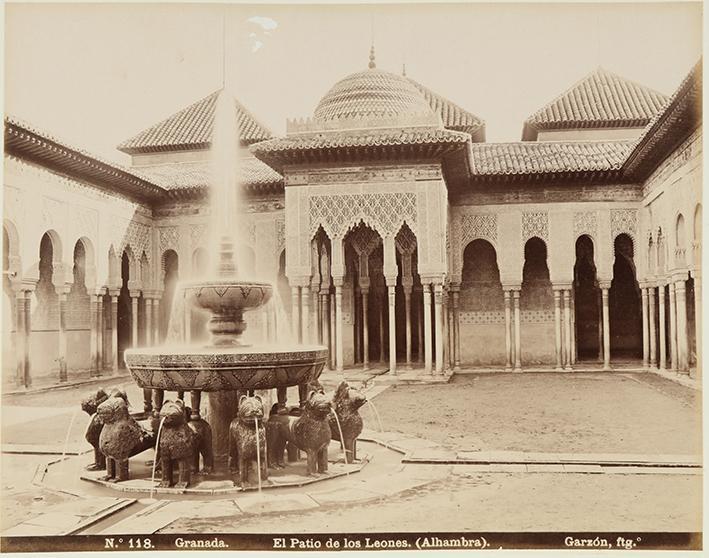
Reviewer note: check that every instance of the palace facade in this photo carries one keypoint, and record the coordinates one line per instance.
(397, 235)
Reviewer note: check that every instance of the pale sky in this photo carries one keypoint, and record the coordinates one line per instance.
(96, 74)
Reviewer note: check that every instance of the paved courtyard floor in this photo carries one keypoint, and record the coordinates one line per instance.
(616, 413)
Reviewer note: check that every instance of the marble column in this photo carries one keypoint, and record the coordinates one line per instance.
(325, 321)
(365, 328)
(446, 330)
(600, 327)
(438, 302)
(646, 326)
(419, 329)
(148, 322)
(156, 321)
(114, 330)
(101, 329)
(295, 312)
(62, 292)
(339, 355)
(21, 337)
(407, 309)
(674, 362)
(28, 336)
(134, 318)
(652, 327)
(317, 324)
(574, 349)
(427, 334)
(518, 344)
(333, 330)
(391, 288)
(305, 314)
(698, 320)
(93, 334)
(682, 344)
(557, 328)
(567, 328)
(606, 329)
(456, 327)
(508, 332)
(663, 333)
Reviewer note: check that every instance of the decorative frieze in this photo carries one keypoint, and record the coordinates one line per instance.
(624, 221)
(535, 223)
(586, 222)
(169, 239)
(481, 318)
(385, 212)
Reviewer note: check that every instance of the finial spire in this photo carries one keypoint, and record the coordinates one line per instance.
(372, 63)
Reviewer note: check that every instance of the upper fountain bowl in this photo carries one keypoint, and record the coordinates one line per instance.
(227, 295)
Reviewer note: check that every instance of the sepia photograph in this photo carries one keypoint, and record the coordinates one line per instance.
(352, 277)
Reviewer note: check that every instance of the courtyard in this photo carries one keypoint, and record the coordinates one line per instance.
(606, 417)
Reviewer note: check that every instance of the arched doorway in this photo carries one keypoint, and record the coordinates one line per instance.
(44, 344)
(78, 313)
(536, 305)
(481, 306)
(625, 303)
(170, 264)
(587, 301)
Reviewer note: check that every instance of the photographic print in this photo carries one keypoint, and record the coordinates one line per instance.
(356, 277)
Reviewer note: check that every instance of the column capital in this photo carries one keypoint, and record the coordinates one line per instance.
(338, 281)
(604, 285)
(62, 290)
(390, 281)
(561, 286)
(511, 286)
(134, 293)
(114, 292)
(363, 281)
(27, 286)
(99, 291)
(515, 294)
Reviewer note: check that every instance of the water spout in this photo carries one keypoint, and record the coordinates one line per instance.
(258, 455)
(376, 414)
(68, 433)
(155, 461)
(342, 438)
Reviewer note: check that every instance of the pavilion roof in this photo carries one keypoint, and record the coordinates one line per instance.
(602, 99)
(191, 128)
(453, 116)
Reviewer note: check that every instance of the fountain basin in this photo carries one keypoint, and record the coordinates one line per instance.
(225, 368)
(227, 294)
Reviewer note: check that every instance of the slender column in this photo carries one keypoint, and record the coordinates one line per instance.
(574, 350)
(663, 333)
(456, 328)
(333, 331)
(305, 314)
(391, 288)
(148, 321)
(101, 341)
(567, 327)
(20, 337)
(62, 334)
(325, 321)
(338, 325)
(557, 328)
(365, 328)
(382, 305)
(316, 323)
(508, 330)
(93, 334)
(518, 344)
(652, 326)
(419, 330)
(646, 325)
(438, 301)
(28, 337)
(428, 357)
(134, 319)
(407, 309)
(606, 330)
(673, 327)
(698, 320)
(295, 312)
(446, 332)
(600, 327)
(114, 330)
(156, 321)
(682, 345)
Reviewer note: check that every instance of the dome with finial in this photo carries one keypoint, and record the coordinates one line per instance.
(372, 93)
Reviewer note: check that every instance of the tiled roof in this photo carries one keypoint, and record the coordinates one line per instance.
(547, 157)
(191, 128)
(372, 92)
(601, 99)
(361, 138)
(197, 175)
(453, 116)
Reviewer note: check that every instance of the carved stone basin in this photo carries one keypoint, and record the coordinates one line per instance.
(229, 368)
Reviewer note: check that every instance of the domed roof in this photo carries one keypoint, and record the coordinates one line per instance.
(372, 93)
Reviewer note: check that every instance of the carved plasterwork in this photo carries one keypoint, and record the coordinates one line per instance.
(585, 222)
(624, 221)
(198, 234)
(383, 211)
(138, 236)
(169, 239)
(535, 223)
(405, 241)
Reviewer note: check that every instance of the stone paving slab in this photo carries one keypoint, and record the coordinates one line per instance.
(45, 449)
(342, 495)
(147, 521)
(273, 502)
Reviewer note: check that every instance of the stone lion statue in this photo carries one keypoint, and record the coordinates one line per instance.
(346, 403)
(243, 444)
